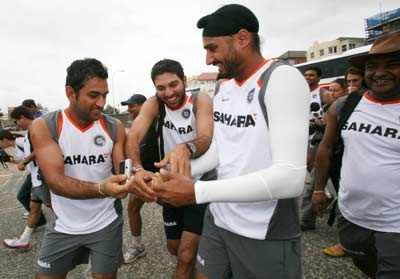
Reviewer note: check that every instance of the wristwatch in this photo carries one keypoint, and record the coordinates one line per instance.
(192, 149)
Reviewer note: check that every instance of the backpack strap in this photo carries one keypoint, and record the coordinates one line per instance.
(218, 86)
(20, 148)
(347, 109)
(194, 98)
(112, 126)
(159, 128)
(52, 122)
(264, 79)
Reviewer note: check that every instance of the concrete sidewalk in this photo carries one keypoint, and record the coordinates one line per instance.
(157, 263)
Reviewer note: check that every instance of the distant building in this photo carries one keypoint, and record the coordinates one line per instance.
(205, 82)
(9, 110)
(382, 23)
(325, 49)
(294, 57)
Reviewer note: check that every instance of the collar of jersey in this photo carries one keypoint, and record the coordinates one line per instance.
(373, 99)
(258, 67)
(76, 125)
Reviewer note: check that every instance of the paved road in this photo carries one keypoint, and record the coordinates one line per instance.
(157, 263)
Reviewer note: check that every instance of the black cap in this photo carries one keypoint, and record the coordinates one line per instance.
(228, 20)
(135, 99)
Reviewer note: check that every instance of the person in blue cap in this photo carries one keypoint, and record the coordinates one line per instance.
(149, 155)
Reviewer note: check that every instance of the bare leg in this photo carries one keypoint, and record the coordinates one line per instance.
(172, 246)
(34, 214)
(135, 220)
(186, 255)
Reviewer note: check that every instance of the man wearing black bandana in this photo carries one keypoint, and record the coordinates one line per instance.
(251, 229)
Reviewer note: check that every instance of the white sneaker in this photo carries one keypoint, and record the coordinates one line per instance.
(16, 244)
(133, 253)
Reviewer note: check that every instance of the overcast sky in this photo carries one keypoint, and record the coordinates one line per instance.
(39, 39)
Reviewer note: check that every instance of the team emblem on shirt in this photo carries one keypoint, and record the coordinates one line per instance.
(186, 113)
(250, 95)
(99, 140)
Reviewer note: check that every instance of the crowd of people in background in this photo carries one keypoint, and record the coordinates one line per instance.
(229, 171)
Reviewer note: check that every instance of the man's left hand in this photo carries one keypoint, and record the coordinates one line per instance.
(178, 160)
(175, 189)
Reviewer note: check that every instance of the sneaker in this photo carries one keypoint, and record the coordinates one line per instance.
(16, 244)
(133, 253)
(25, 215)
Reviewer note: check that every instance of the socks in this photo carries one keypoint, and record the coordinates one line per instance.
(26, 235)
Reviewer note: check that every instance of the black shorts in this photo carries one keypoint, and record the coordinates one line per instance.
(185, 218)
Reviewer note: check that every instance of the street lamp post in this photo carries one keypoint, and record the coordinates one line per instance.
(113, 87)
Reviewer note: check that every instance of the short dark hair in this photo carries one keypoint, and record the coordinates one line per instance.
(353, 71)
(167, 66)
(30, 103)
(341, 82)
(315, 69)
(5, 134)
(82, 70)
(20, 111)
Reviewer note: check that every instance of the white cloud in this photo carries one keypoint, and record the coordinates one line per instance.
(41, 38)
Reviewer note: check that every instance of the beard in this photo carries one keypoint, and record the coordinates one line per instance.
(88, 115)
(230, 67)
(387, 87)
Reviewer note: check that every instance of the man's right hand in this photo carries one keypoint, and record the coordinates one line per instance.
(178, 160)
(139, 185)
(115, 186)
(318, 200)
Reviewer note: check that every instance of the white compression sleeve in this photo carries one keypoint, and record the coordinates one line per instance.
(206, 162)
(287, 105)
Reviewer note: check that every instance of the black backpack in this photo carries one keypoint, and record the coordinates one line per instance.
(149, 152)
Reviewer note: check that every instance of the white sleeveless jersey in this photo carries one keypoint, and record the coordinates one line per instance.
(87, 157)
(241, 134)
(179, 125)
(32, 166)
(369, 194)
(19, 148)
